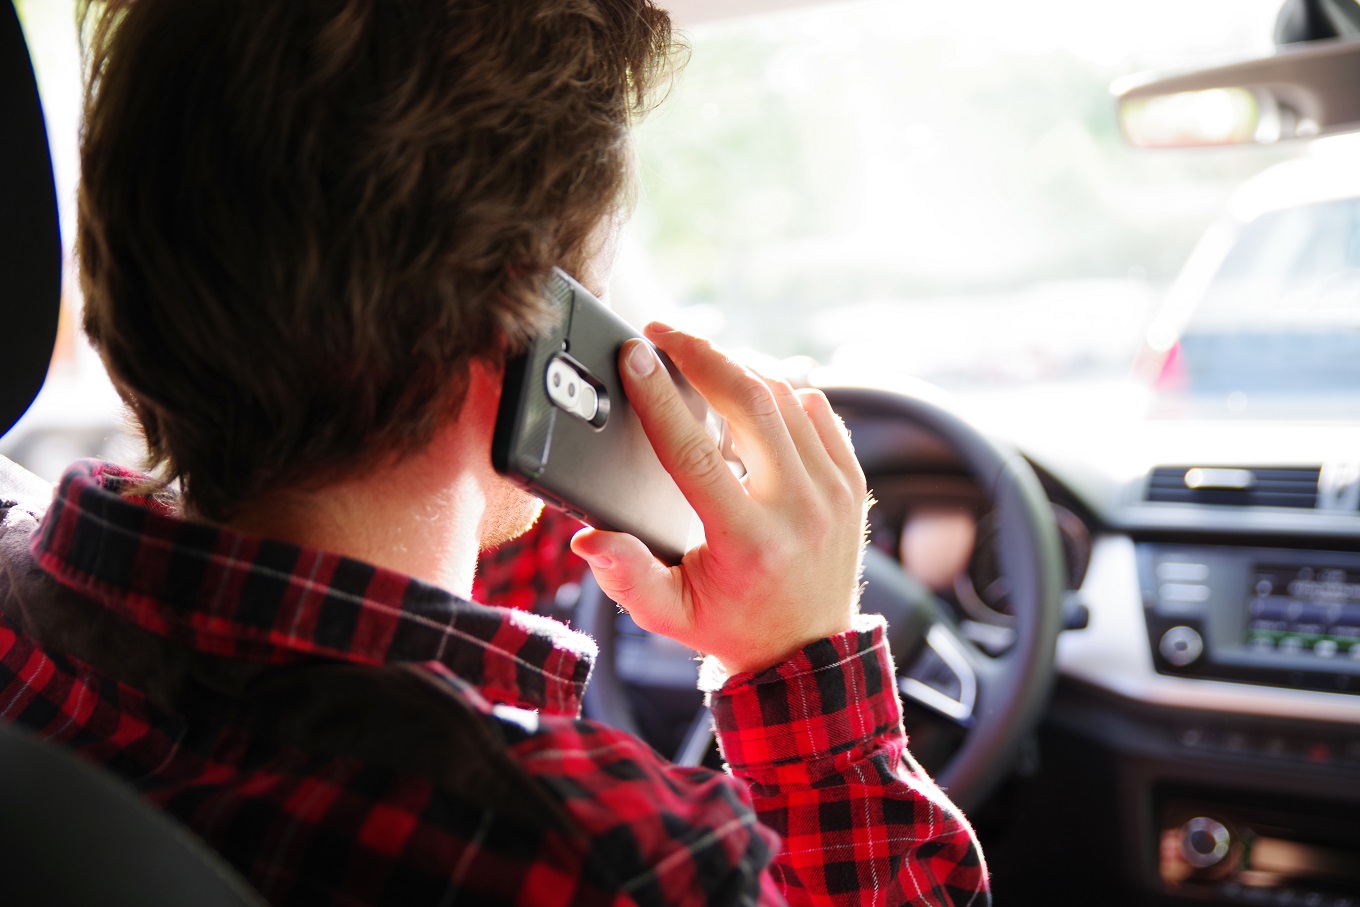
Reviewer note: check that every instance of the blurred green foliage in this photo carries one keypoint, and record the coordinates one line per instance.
(796, 168)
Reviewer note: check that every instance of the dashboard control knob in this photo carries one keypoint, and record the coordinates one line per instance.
(1181, 646)
(1204, 842)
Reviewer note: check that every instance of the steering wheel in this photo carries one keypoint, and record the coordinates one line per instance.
(995, 700)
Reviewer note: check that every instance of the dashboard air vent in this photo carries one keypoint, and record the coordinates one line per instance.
(1234, 486)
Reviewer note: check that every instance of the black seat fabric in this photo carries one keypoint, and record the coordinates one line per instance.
(72, 835)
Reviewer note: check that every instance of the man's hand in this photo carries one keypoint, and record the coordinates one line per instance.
(780, 566)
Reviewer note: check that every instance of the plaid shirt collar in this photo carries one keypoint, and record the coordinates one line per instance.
(227, 593)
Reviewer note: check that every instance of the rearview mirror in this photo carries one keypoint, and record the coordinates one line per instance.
(1298, 92)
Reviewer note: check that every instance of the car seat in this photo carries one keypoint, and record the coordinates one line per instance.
(71, 834)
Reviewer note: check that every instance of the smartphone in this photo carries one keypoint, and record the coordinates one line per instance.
(566, 432)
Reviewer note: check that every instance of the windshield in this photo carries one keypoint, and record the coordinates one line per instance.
(934, 191)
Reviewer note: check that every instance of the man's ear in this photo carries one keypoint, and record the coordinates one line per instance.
(470, 427)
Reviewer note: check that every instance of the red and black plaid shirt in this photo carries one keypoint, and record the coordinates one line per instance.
(530, 572)
(347, 735)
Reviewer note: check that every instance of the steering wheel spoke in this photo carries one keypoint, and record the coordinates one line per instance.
(945, 676)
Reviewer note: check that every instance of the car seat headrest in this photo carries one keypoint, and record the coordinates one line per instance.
(30, 242)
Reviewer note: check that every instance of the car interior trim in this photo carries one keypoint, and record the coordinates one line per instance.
(1112, 653)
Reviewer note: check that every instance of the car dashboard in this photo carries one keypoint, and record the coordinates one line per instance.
(1203, 742)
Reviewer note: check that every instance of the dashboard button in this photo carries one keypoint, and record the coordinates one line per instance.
(1275, 746)
(1181, 646)
(1194, 738)
(1204, 842)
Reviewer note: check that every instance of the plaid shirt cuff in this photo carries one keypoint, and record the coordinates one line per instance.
(810, 716)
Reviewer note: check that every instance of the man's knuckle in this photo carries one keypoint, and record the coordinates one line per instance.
(755, 398)
(697, 457)
(817, 530)
(783, 390)
(843, 499)
(691, 347)
(624, 593)
(770, 558)
(837, 495)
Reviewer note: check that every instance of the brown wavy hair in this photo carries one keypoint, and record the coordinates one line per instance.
(300, 220)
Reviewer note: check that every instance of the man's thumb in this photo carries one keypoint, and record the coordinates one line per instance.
(628, 573)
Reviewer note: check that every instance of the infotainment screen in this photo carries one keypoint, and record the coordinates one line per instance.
(1295, 610)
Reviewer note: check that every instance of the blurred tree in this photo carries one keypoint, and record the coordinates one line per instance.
(818, 160)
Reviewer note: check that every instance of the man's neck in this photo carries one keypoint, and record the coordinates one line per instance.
(408, 517)
(426, 515)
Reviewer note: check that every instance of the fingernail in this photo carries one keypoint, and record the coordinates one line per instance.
(660, 327)
(641, 359)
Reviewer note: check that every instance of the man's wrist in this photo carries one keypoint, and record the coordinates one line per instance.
(751, 660)
(831, 698)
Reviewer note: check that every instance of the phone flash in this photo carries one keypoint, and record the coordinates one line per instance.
(571, 392)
